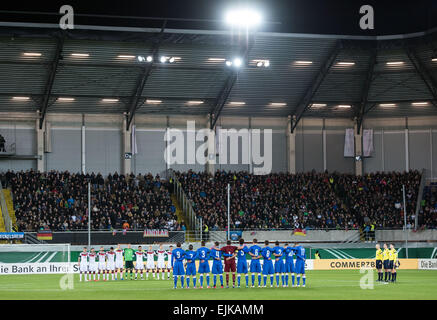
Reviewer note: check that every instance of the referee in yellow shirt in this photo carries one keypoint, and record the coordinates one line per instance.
(386, 261)
(378, 258)
(394, 263)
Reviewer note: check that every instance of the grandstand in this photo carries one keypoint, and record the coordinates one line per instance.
(322, 139)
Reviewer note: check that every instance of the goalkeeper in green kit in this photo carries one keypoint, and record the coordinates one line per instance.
(128, 260)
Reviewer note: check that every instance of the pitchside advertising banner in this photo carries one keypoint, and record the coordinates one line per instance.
(11, 235)
(343, 264)
(310, 264)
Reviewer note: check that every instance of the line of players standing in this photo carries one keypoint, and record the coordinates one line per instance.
(283, 258)
(119, 263)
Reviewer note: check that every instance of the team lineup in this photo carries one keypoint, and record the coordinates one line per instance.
(279, 260)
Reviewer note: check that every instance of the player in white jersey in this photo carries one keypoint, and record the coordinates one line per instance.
(169, 262)
(119, 262)
(139, 264)
(110, 264)
(160, 267)
(102, 263)
(83, 264)
(92, 263)
(150, 262)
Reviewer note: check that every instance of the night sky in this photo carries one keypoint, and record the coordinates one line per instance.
(298, 16)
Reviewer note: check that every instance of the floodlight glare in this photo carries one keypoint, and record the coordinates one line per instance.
(229, 63)
(149, 58)
(140, 58)
(243, 18)
(163, 59)
(237, 62)
(171, 60)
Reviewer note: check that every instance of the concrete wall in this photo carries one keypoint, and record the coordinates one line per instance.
(400, 235)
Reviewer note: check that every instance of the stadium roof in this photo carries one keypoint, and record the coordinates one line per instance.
(375, 76)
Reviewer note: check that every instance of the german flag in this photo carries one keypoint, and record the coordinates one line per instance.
(44, 235)
(300, 232)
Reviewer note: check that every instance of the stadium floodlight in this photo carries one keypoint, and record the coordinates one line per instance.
(385, 105)
(109, 100)
(228, 63)
(243, 17)
(153, 101)
(21, 98)
(261, 63)
(125, 56)
(195, 102)
(81, 55)
(344, 106)
(420, 103)
(216, 59)
(346, 64)
(318, 105)
(66, 99)
(277, 104)
(238, 62)
(171, 60)
(163, 59)
(141, 59)
(303, 62)
(149, 59)
(395, 63)
(434, 59)
(32, 54)
(237, 103)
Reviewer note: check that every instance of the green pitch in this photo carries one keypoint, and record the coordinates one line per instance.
(344, 285)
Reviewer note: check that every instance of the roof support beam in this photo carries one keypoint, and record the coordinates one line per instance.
(222, 98)
(51, 79)
(424, 73)
(366, 89)
(229, 83)
(141, 83)
(315, 84)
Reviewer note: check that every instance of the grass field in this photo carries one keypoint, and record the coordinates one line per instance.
(344, 285)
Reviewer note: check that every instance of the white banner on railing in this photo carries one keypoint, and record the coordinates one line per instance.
(367, 142)
(349, 143)
(38, 268)
(428, 264)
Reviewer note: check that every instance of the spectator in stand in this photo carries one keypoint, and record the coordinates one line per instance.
(305, 200)
(60, 200)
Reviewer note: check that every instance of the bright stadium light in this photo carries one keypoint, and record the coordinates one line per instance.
(238, 62)
(141, 59)
(243, 17)
(163, 59)
(228, 63)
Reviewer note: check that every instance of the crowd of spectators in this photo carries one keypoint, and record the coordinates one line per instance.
(305, 200)
(428, 212)
(59, 201)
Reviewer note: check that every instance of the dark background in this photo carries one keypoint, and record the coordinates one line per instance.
(297, 16)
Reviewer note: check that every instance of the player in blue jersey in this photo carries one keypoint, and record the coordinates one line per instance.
(267, 254)
(203, 257)
(217, 266)
(300, 264)
(190, 257)
(278, 252)
(178, 256)
(242, 262)
(289, 264)
(255, 264)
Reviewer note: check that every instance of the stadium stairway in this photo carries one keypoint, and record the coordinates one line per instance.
(10, 206)
(180, 215)
(2, 223)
